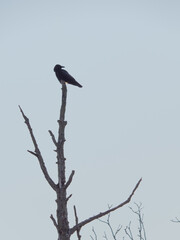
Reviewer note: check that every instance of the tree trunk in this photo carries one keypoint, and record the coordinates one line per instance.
(62, 213)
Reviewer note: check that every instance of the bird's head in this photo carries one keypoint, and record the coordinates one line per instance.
(58, 67)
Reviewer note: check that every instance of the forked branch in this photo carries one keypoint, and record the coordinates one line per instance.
(37, 152)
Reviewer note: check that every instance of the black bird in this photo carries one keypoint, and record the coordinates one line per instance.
(63, 75)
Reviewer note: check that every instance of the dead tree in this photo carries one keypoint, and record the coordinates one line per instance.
(61, 221)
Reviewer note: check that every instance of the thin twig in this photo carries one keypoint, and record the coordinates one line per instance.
(128, 231)
(141, 228)
(95, 235)
(33, 153)
(114, 234)
(105, 236)
(176, 221)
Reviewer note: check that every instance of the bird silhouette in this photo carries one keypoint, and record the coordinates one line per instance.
(63, 75)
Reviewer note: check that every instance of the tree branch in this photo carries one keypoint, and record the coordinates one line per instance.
(176, 220)
(70, 179)
(95, 235)
(113, 233)
(37, 152)
(54, 221)
(78, 229)
(53, 137)
(33, 153)
(141, 228)
(101, 214)
(128, 231)
(67, 199)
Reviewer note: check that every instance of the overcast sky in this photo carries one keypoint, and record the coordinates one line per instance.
(123, 124)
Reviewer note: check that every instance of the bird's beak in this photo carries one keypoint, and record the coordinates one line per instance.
(62, 67)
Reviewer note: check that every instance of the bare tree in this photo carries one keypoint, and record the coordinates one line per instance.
(61, 222)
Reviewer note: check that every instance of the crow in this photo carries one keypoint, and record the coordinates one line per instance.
(63, 75)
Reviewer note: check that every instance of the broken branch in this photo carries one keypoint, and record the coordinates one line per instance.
(70, 179)
(53, 137)
(76, 219)
(54, 221)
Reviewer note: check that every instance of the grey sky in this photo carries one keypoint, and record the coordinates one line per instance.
(122, 125)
